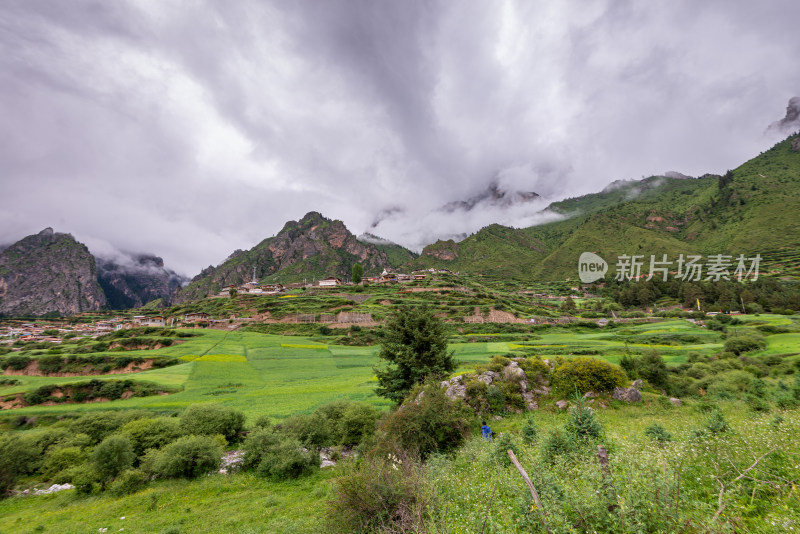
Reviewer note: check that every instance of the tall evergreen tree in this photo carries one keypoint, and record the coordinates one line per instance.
(414, 348)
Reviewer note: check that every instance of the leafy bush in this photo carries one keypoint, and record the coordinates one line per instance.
(529, 430)
(716, 423)
(61, 459)
(17, 363)
(128, 482)
(745, 343)
(188, 457)
(582, 422)
(257, 444)
(85, 478)
(387, 493)
(556, 443)
(151, 433)
(212, 419)
(658, 433)
(357, 423)
(653, 369)
(427, 422)
(19, 456)
(502, 445)
(112, 456)
(98, 425)
(287, 460)
(586, 374)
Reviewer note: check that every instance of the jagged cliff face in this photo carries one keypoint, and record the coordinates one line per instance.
(135, 280)
(313, 247)
(48, 273)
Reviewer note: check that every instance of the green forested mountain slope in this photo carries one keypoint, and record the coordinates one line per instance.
(752, 209)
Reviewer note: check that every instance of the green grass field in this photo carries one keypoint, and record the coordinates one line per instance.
(275, 375)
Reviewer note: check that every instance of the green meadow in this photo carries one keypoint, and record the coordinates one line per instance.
(277, 375)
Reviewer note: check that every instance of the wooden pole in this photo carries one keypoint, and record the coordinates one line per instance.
(534, 493)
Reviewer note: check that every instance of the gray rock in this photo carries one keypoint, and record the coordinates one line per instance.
(512, 371)
(530, 403)
(542, 391)
(676, 401)
(627, 394)
(589, 395)
(562, 405)
(456, 387)
(638, 384)
(488, 377)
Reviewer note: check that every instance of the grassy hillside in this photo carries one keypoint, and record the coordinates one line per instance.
(752, 209)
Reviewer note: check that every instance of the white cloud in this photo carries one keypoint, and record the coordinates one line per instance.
(189, 130)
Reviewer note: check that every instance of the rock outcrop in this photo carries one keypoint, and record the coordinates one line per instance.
(48, 273)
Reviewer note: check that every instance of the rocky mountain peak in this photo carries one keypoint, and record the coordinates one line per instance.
(48, 272)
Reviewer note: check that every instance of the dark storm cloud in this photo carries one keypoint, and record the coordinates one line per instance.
(190, 129)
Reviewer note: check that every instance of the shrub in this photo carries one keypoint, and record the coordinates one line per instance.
(85, 478)
(287, 460)
(716, 423)
(653, 369)
(62, 458)
(534, 368)
(556, 443)
(496, 399)
(188, 457)
(16, 363)
(212, 419)
(129, 482)
(257, 444)
(312, 430)
(529, 430)
(658, 433)
(19, 456)
(97, 425)
(502, 445)
(50, 364)
(586, 374)
(357, 423)
(428, 422)
(381, 494)
(745, 343)
(151, 433)
(112, 456)
(263, 421)
(582, 422)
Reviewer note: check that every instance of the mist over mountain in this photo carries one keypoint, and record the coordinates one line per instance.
(132, 280)
(790, 123)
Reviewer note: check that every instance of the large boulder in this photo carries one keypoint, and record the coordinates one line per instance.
(638, 384)
(488, 377)
(455, 388)
(627, 394)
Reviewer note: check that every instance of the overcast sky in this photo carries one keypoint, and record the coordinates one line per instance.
(189, 129)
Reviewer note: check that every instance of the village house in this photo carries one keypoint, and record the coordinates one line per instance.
(195, 317)
(330, 281)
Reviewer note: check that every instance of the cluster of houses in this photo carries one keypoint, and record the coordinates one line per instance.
(39, 332)
(254, 288)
